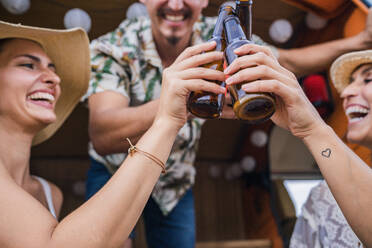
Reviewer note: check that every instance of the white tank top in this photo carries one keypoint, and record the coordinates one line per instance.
(48, 195)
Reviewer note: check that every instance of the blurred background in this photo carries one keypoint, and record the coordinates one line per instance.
(252, 179)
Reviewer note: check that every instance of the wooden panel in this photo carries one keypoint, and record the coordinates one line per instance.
(289, 155)
(220, 140)
(236, 244)
(284, 209)
(258, 216)
(218, 206)
(70, 140)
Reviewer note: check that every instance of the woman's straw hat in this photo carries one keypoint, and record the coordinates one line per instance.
(344, 66)
(69, 51)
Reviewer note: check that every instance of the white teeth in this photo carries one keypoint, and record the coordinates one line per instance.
(42, 96)
(355, 119)
(174, 18)
(356, 109)
(356, 113)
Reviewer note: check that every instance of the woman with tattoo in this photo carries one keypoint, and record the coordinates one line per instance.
(347, 176)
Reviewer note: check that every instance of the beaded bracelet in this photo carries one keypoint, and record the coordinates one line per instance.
(132, 149)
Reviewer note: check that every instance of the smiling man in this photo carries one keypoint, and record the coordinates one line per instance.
(172, 25)
(125, 85)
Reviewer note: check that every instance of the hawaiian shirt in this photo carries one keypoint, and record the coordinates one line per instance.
(126, 61)
(322, 223)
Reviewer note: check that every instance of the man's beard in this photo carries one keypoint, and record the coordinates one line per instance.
(173, 40)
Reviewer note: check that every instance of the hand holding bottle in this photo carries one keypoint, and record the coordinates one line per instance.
(186, 74)
(258, 66)
(254, 107)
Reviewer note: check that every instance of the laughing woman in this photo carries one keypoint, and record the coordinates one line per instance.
(43, 74)
(347, 176)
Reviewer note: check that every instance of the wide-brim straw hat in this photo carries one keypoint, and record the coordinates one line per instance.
(345, 65)
(69, 51)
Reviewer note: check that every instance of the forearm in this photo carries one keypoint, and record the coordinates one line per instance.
(311, 59)
(107, 218)
(348, 177)
(108, 129)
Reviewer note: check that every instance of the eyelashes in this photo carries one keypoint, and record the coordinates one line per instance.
(367, 80)
(27, 65)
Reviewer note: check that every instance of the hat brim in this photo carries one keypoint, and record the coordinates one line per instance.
(69, 51)
(344, 66)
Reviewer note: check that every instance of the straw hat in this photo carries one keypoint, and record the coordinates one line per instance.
(344, 66)
(69, 51)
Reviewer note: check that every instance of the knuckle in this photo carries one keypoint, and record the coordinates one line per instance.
(263, 70)
(291, 74)
(238, 63)
(260, 86)
(267, 50)
(275, 85)
(167, 73)
(188, 50)
(202, 72)
(261, 56)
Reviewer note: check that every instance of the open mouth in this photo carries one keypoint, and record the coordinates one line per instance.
(42, 97)
(173, 16)
(356, 113)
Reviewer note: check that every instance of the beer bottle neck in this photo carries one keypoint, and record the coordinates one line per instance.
(233, 30)
(224, 12)
(244, 12)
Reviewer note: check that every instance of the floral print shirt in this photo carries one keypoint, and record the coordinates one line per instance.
(126, 61)
(322, 223)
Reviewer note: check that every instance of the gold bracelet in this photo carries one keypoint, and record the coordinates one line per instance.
(132, 149)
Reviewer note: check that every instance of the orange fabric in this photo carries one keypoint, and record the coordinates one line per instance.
(323, 8)
(361, 6)
(356, 22)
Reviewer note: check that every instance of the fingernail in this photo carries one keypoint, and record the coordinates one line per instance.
(246, 87)
(227, 69)
(223, 90)
(236, 51)
(229, 80)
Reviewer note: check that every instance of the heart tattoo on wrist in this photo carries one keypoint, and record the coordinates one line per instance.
(326, 153)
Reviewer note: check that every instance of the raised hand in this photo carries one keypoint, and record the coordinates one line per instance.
(258, 71)
(186, 74)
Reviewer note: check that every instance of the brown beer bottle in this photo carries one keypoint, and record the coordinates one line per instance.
(252, 107)
(244, 12)
(205, 104)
